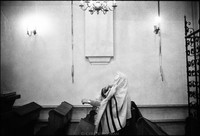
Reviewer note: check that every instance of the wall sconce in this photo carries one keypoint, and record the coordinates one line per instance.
(156, 29)
(157, 25)
(31, 25)
(157, 20)
(31, 32)
(96, 5)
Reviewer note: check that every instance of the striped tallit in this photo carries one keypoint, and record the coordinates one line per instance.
(115, 109)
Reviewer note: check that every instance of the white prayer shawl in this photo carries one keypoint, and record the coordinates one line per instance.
(115, 109)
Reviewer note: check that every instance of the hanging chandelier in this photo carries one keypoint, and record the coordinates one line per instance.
(96, 6)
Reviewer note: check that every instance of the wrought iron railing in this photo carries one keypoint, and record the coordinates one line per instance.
(192, 44)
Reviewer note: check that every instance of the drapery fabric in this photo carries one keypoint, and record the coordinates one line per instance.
(115, 109)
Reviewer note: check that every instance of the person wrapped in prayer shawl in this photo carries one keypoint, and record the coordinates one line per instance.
(113, 106)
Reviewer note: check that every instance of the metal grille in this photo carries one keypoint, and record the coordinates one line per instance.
(192, 44)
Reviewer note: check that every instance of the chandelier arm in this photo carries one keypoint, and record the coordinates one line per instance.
(84, 8)
(93, 5)
(91, 10)
(88, 5)
(103, 11)
(111, 9)
(105, 4)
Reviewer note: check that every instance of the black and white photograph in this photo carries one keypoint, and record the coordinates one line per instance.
(92, 67)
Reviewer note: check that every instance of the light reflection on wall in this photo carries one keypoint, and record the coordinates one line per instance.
(38, 22)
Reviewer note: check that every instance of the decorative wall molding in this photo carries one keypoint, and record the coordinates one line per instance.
(99, 45)
(99, 60)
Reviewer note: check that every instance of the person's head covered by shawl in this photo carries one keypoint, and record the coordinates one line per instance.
(115, 107)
